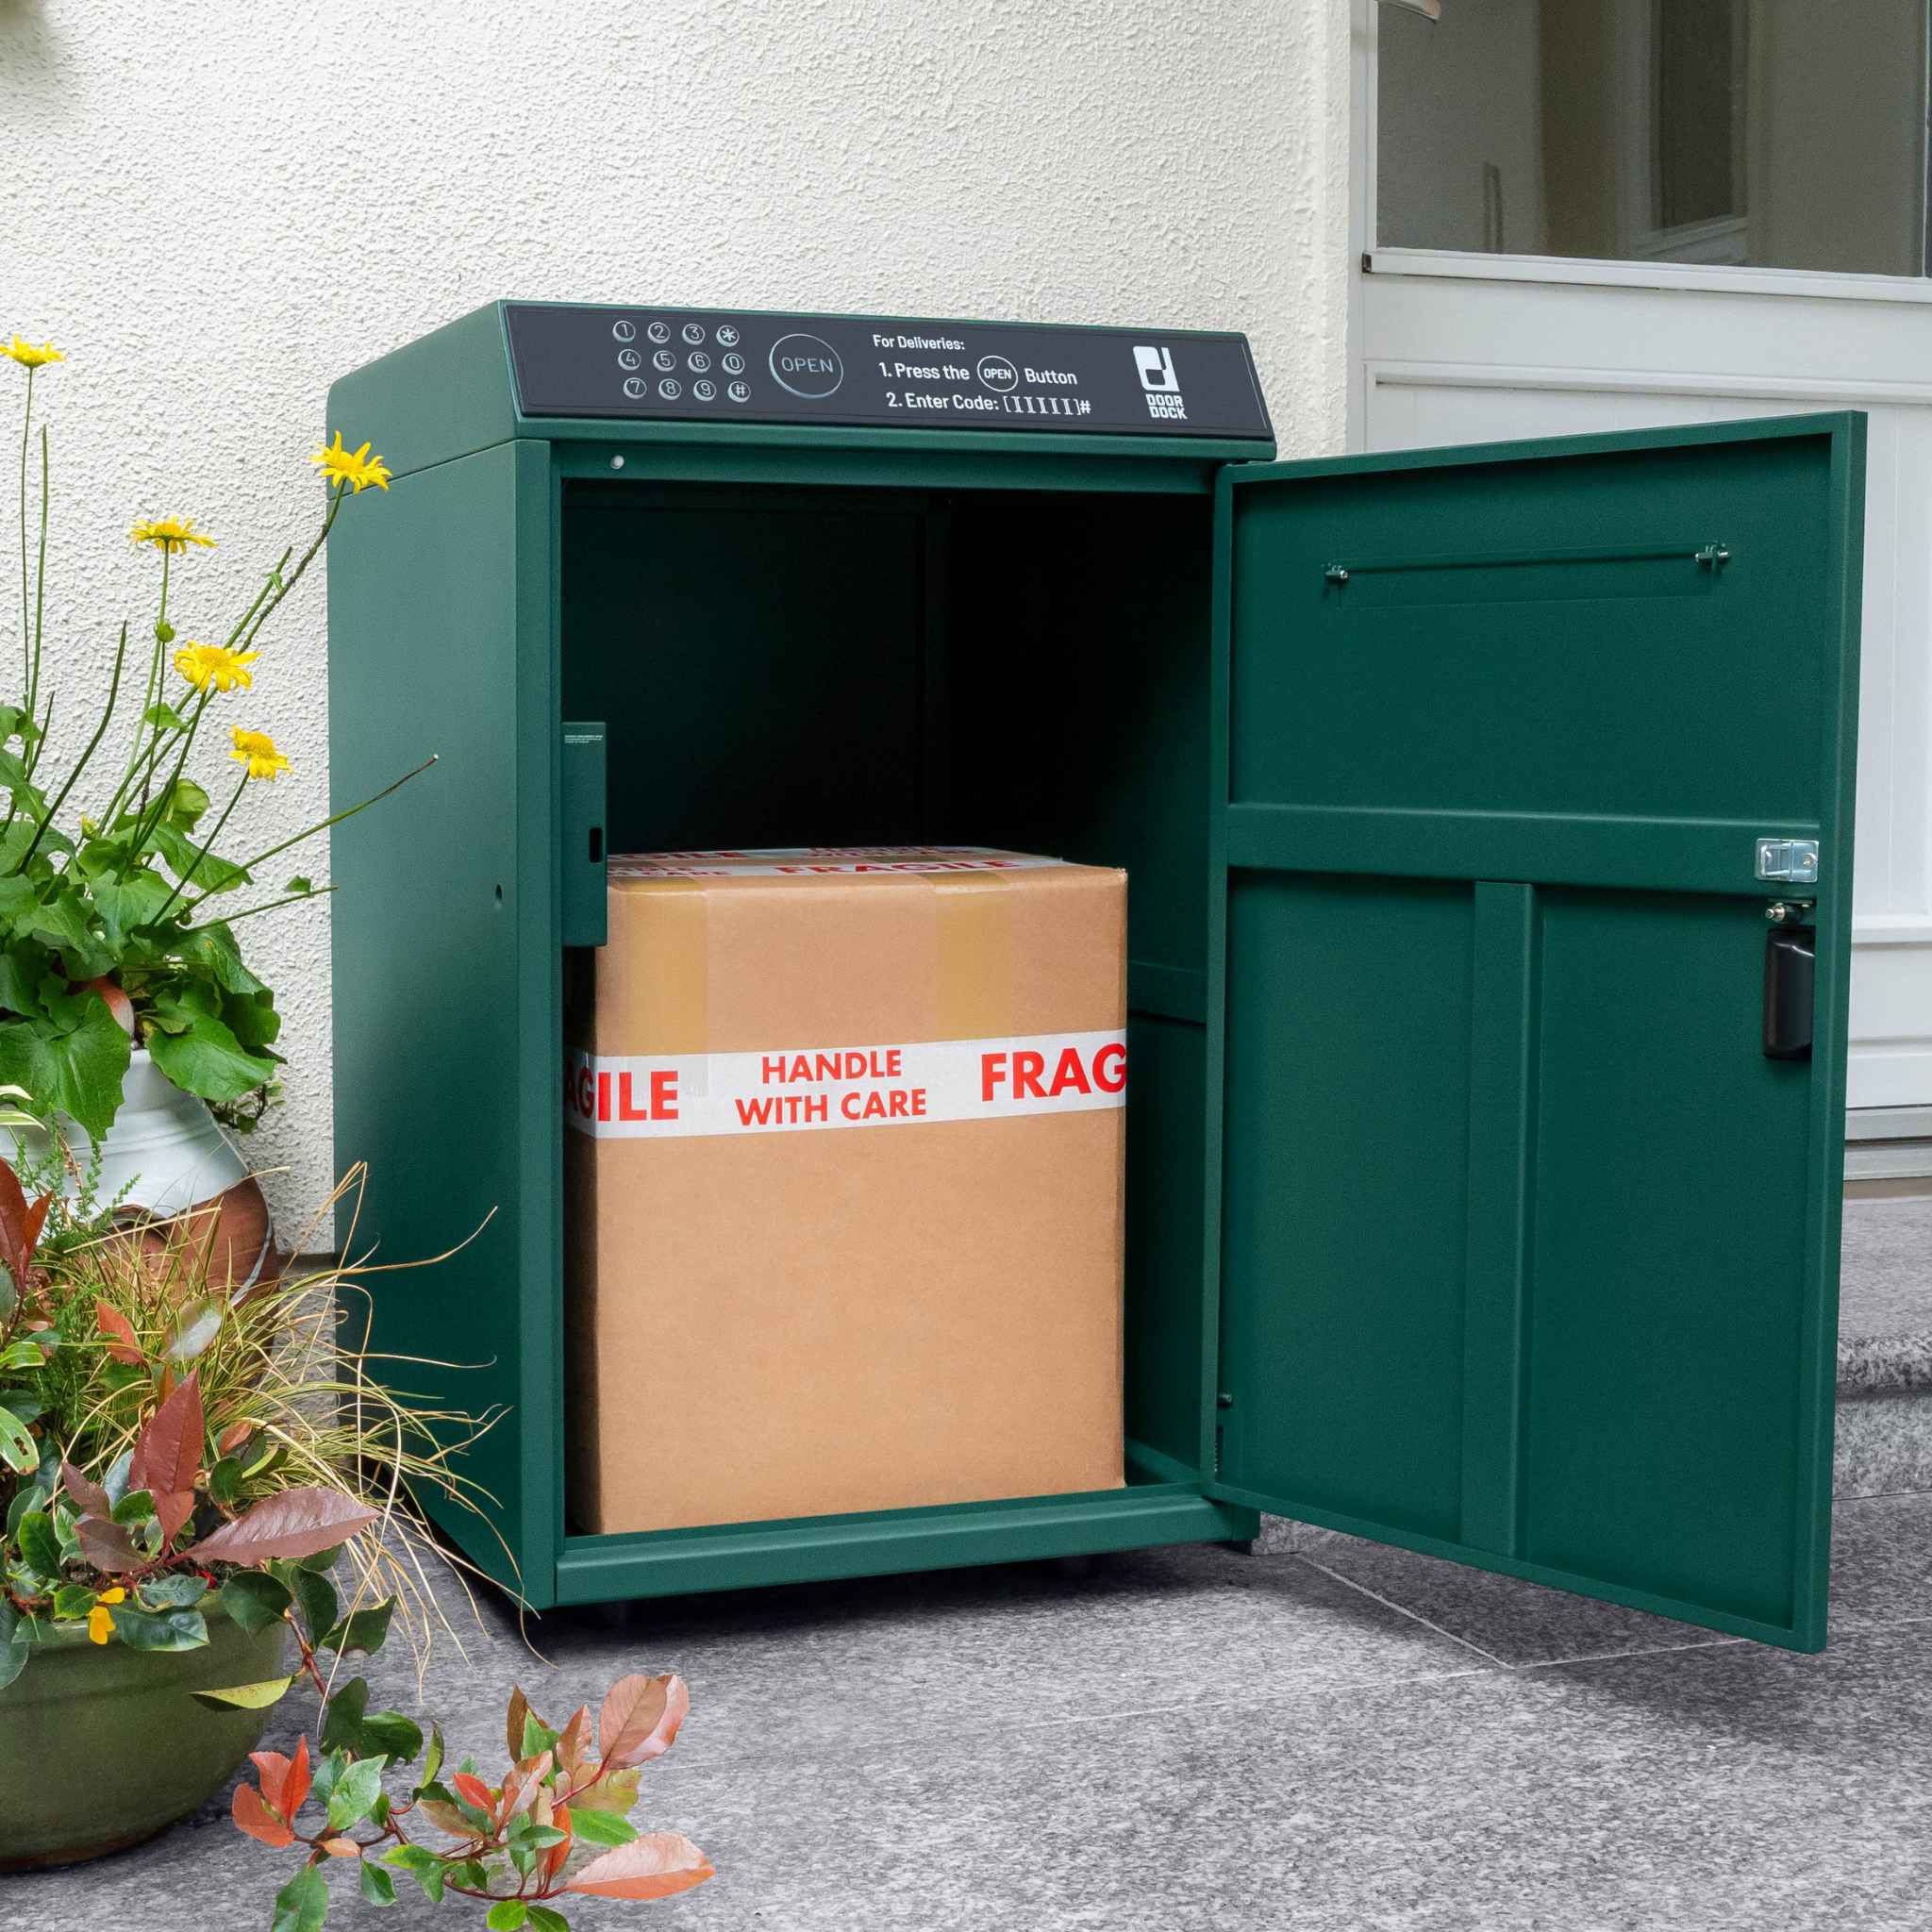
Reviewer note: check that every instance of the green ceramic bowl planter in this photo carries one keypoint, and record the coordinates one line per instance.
(80, 1772)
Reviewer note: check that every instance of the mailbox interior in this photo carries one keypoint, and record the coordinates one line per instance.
(1027, 669)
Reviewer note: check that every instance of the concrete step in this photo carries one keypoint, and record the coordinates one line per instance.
(1885, 1350)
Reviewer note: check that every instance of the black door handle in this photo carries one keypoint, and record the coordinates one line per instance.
(1791, 958)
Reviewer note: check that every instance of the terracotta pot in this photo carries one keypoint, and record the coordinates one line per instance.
(164, 1159)
(102, 1746)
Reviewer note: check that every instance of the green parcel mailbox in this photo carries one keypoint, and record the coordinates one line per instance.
(1488, 815)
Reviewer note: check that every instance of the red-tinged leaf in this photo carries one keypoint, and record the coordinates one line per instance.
(529, 1781)
(172, 1508)
(234, 1435)
(296, 1790)
(553, 1857)
(119, 1330)
(106, 1545)
(570, 1744)
(255, 1818)
(641, 1718)
(473, 1790)
(341, 1848)
(272, 1769)
(296, 1522)
(89, 1494)
(36, 1220)
(513, 1721)
(653, 1866)
(445, 1818)
(167, 1453)
(617, 1792)
(16, 1250)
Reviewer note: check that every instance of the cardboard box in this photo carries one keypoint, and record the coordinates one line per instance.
(843, 1185)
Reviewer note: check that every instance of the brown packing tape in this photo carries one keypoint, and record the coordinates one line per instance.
(973, 941)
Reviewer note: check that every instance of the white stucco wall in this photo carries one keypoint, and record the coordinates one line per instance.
(215, 208)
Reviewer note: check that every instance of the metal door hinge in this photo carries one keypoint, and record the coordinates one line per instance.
(1792, 860)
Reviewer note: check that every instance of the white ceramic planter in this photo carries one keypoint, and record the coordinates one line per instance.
(164, 1155)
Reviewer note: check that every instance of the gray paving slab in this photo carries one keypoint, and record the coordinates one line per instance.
(1882, 1572)
(1225, 1786)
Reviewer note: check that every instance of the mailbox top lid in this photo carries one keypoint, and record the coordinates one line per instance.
(569, 372)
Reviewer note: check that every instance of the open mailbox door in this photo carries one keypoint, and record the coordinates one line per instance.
(1531, 862)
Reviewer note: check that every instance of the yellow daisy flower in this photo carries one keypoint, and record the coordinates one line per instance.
(354, 467)
(257, 750)
(172, 534)
(27, 355)
(100, 1622)
(214, 664)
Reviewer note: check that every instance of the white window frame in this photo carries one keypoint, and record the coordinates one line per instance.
(1471, 265)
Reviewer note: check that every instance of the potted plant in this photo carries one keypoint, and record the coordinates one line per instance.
(192, 1485)
(127, 1006)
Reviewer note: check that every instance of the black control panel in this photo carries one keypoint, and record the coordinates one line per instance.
(714, 365)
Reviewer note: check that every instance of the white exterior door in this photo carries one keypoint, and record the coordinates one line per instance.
(1605, 214)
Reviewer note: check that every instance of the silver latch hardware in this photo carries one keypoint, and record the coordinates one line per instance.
(1794, 861)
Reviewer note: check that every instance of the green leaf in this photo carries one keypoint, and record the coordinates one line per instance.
(125, 903)
(315, 1597)
(211, 873)
(78, 1071)
(423, 1863)
(66, 923)
(37, 1542)
(543, 1919)
(390, 1734)
(13, 1645)
(225, 1480)
(302, 1905)
(159, 1629)
(22, 966)
(196, 1327)
(507, 1915)
(601, 1827)
(187, 801)
(72, 1601)
(252, 1018)
(300, 883)
(537, 1737)
(433, 1763)
(137, 1506)
(23, 1354)
(254, 1599)
(205, 1058)
(174, 1593)
(362, 1630)
(341, 1730)
(356, 1792)
(165, 717)
(213, 946)
(18, 1450)
(378, 1888)
(17, 893)
(244, 1696)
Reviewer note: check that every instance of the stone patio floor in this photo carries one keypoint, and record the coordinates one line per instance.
(1346, 1736)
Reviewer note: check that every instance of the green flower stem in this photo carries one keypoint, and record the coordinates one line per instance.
(262, 857)
(285, 584)
(92, 744)
(33, 695)
(26, 443)
(270, 905)
(181, 885)
(273, 578)
(148, 822)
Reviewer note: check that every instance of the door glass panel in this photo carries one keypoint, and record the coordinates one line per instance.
(1763, 133)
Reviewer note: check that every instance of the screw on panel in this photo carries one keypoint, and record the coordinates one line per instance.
(1786, 911)
(1336, 573)
(1224, 1399)
(1715, 554)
